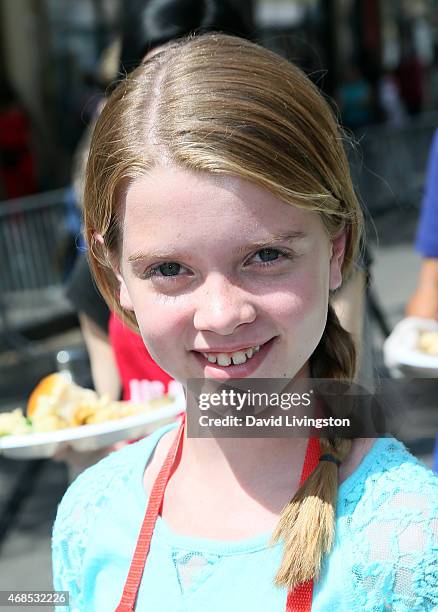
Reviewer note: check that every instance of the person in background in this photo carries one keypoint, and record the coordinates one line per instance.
(390, 102)
(424, 301)
(146, 25)
(355, 99)
(410, 75)
(17, 162)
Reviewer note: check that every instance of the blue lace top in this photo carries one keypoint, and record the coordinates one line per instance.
(384, 557)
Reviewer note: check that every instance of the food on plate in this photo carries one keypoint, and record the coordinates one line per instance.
(54, 402)
(105, 410)
(428, 342)
(58, 403)
(14, 423)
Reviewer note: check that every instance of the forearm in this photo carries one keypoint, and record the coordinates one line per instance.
(102, 361)
(424, 301)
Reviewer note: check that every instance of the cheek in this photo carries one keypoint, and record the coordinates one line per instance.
(301, 313)
(161, 325)
(306, 300)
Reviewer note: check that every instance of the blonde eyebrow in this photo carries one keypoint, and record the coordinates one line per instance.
(271, 240)
(261, 244)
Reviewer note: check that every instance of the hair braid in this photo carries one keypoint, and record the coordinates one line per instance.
(307, 523)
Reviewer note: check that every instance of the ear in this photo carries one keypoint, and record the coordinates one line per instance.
(337, 257)
(124, 297)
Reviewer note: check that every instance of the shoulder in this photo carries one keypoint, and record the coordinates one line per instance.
(100, 482)
(396, 470)
(96, 482)
(391, 515)
(82, 506)
(88, 496)
(390, 476)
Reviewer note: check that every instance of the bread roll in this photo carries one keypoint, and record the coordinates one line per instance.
(54, 402)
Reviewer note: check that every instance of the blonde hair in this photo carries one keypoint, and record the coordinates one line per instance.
(221, 104)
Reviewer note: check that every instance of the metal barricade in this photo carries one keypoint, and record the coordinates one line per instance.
(33, 237)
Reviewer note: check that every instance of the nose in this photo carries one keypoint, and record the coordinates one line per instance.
(222, 306)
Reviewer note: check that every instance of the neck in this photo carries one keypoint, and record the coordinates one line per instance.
(267, 469)
(219, 483)
(245, 458)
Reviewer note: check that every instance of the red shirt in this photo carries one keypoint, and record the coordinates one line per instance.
(141, 377)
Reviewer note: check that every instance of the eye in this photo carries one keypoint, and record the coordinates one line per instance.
(168, 270)
(270, 256)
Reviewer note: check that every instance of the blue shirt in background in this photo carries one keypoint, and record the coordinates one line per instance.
(427, 233)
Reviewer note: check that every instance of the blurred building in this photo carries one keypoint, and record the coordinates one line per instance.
(50, 49)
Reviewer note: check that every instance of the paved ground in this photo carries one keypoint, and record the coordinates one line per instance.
(25, 555)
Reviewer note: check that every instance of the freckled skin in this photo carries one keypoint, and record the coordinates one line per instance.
(220, 297)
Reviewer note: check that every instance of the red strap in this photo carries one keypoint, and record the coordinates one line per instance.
(298, 600)
(132, 584)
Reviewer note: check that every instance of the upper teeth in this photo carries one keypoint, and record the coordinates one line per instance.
(225, 359)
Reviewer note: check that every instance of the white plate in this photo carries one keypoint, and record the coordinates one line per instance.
(89, 437)
(400, 348)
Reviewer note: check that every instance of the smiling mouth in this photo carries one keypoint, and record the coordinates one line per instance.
(236, 363)
(235, 358)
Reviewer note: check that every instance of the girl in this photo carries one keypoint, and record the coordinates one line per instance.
(220, 212)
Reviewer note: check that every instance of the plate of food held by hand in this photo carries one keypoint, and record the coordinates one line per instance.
(60, 413)
(412, 347)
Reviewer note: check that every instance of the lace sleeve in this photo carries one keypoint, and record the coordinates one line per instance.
(78, 511)
(396, 565)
